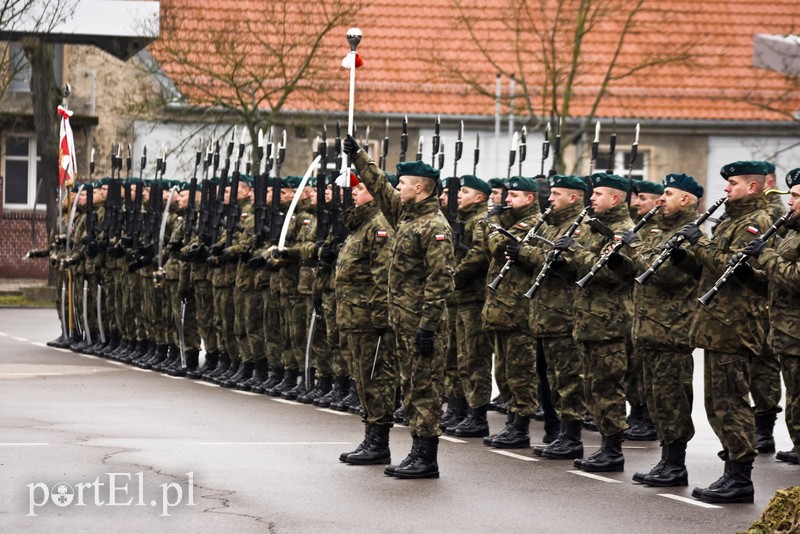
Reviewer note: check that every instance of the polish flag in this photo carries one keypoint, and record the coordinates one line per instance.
(67, 170)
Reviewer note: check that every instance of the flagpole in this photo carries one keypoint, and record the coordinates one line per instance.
(354, 38)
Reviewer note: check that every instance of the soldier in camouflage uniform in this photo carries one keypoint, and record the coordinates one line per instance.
(505, 316)
(474, 345)
(732, 330)
(420, 277)
(551, 314)
(604, 313)
(362, 269)
(780, 265)
(663, 312)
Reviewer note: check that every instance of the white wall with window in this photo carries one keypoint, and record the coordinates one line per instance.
(21, 173)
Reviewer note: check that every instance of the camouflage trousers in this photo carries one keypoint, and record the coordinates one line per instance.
(148, 305)
(669, 392)
(604, 373)
(296, 324)
(515, 361)
(224, 316)
(334, 364)
(474, 355)
(320, 353)
(204, 305)
(727, 384)
(634, 377)
(790, 367)
(239, 324)
(452, 379)
(105, 295)
(274, 339)
(376, 389)
(253, 319)
(564, 359)
(421, 383)
(191, 335)
(765, 382)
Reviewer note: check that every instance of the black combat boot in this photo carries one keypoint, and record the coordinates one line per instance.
(518, 437)
(244, 373)
(341, 385)
(344, 404)
(424, 464)
(506, 429)
(737, 488)
(498, 405)
(192, 357)
(361, 446)
(321, 388)
(389, 470)
(726, 473)
(399, 416)
(474, 425)
(144, 353)
(377, 450)
(588, 422)
(568, 445)
(455, 413)
(273, 379)
(765, 424)
(297, 390)
(57, 342)
(355, 407)
(790, 457)
(259, 375)
(578, 462)
(114, 340)
(173, 359)
(212, 358)
(673, 473)
(610, 457)
(176, 363)
(161, 353)
(288, 382)
(233, 368)
(639, 477)
(642, 428)
(223, 362)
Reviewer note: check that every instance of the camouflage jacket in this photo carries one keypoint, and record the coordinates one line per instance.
(241, 247)
(782, 267)
(471, 266)
(736, 321)
(422, 263)
(223, 273)
(300, 226)
(553, 306)
(664, 308)
(173, 265)
(362, 270)
(604, 310)
(508, 307)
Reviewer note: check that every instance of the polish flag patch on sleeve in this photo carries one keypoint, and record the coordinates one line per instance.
(753, 230)
(440, 237)
(523, 225)
(306, 221)
(382, 233)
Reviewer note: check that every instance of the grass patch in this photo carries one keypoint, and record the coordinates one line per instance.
(20, 301)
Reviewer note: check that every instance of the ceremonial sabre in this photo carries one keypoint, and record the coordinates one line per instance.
(163, 228)
(311, 327)
(181, 335)
(297, 194)
(86, 333)
(375, 360)
(100, 312)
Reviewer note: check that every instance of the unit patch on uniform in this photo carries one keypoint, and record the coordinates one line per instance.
(655, 231)
(753, 230)
(382, 233)
(523, 225)
(440, 237)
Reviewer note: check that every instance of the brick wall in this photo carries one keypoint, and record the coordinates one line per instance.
(15, 241)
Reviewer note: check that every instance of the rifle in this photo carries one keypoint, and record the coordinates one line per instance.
(632, 160)
(477, 154)
(586, 280)
(218, 214)
(595, 147)
(612, 147)
(276, 213)
(556, 149)
(384, 148)
(643, 278)
(191, 214)
(403, 139)
(419, 147)
(706, 299)
(323, 213)
(545, 148)
(232, 217)
(453, 185)
(522, 148)
(208, 198)
(261, 181)
(510, 263)
(548, 262)
(512, 156)
(434, 141)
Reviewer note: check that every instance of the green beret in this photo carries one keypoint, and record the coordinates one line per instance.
(392, 179)
(646, 186)
(603, 179)
(97, 183)
(793, 178)
(770, 167)
(105, 180)
(473, 182)
(133, 180)
(248, 179)
(417, 168)
(684, 182)
(496, 183)
(568, 181)
(743, 168)
(521, 183)
(291, 182)
(76, 186)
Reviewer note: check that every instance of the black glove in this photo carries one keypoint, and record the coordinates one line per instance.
(424, 340)
(497, 209)
(317, 246)
(228, 256)
(212, 261)
(460, 280)
(677, 255)
(557, 261)
(134, 266)
(380, 330)
(614, 260)
(462, 247)
(513, 250)
(183, 293)
(327, 254)
(217, 249)
(92, 249)
(175, 246)
(630, 238)
(280, 253)
(317, 301)
(324, 267)
(743, 271)
(256, 263)
(563, 243)
(691, 232)
(272, 266)
(116, 252)
(755, 247)
(350, 146)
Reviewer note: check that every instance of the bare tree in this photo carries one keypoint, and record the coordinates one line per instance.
(247, 61)
(567, 56)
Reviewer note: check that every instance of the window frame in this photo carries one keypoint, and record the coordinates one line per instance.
(33, 167)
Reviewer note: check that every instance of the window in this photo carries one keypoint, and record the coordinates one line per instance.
(21, 173)
(641, 167)
(19, 69)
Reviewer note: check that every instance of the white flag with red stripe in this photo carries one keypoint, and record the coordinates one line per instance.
(67, 169)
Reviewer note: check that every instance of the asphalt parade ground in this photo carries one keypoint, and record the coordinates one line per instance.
(92, 445)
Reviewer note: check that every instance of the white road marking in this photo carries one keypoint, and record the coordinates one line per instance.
(240, 392)
(140, 369)
(261, 443)
(514, 455)
(635, 447)
(596, 477)
(452, 439)
(31, 374)
(3, 334)
(20, 338)
(334, 412)
(23, 444)
(687, 500)
(286, 401)
(204, 383)
(39, 344)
